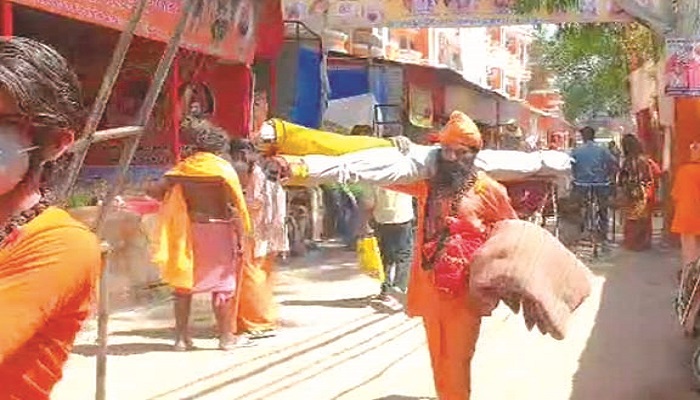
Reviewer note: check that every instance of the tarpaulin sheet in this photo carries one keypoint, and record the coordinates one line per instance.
(348, 81)
(351, 111)
(307, 101)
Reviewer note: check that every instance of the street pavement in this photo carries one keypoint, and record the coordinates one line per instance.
(623, 344)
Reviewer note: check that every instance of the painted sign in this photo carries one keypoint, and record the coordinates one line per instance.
(441, 13)
(682, 70)
(160, 19)
(421, 106)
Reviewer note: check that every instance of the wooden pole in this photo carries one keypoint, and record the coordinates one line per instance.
(176, 109)
(143, 117)
(100, 104)
(102, 322)
(145, 112)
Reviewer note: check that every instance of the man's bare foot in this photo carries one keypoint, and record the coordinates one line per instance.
(183, 344)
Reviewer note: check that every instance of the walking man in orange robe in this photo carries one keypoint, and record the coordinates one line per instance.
(457, 207)
(49, 262)
(456, 194)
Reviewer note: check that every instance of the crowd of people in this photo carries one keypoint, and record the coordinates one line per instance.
(221, 228)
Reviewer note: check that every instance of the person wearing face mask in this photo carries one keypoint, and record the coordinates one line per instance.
(49, 262)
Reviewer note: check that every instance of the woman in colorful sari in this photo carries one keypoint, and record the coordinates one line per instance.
(637, 179)
(203, 229)
(267, 202)
(49, 262)
(686, 198)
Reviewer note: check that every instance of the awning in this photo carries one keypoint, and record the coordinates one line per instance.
(478, 106)
(160, 19)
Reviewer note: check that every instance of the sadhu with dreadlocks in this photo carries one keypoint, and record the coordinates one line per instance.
(203, 231)
(49, 262)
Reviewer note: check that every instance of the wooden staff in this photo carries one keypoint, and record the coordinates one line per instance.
(127, 156)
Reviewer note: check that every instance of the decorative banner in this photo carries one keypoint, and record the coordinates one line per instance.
(441, 13)
(682, 72)
(159, 21)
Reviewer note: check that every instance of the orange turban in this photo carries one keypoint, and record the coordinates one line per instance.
(460, 131)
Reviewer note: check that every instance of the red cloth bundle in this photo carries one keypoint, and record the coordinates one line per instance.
(451, 264)
(525, 266)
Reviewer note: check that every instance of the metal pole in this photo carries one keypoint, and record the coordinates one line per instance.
(102, 321)
(98, 107)
(145, 112)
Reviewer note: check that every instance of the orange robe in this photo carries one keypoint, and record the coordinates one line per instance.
(451, 322)
(686, 196)
(257, 310)
(47, 280)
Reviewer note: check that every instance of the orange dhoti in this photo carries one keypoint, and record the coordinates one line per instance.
(257, 310)
(452, 332)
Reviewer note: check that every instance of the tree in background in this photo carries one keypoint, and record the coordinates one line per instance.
(590, 64)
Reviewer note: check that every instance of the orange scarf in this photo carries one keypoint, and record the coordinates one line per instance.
(173, 252)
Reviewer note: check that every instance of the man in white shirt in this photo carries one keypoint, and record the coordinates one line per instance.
(393, 214)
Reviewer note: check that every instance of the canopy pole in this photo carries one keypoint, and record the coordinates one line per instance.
(102, 321)
(100, 103)
(145, 112)
(176, 109)
(8, 20)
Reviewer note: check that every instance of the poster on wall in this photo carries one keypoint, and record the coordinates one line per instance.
(233, 40)
(682, 69)
(421, 106)
(442, 13)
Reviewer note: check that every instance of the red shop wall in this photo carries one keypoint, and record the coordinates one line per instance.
(230, 85)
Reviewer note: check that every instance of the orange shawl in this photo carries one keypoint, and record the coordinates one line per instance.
(47, 279)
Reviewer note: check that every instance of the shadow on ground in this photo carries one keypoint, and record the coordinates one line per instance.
(167, 333)
(359, 302)
(125, 349)
(636, 350)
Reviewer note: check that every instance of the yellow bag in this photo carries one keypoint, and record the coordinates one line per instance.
(369, 258)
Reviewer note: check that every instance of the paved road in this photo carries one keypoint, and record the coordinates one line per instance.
(623, 345)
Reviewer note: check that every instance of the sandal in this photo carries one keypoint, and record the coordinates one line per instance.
(264, 334)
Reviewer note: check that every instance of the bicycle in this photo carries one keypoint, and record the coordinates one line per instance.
(592, 230)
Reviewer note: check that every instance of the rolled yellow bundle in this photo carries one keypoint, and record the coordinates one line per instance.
(296, 140)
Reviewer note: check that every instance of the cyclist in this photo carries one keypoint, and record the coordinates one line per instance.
(593, 167)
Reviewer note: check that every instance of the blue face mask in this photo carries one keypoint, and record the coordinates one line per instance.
(14, 157)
